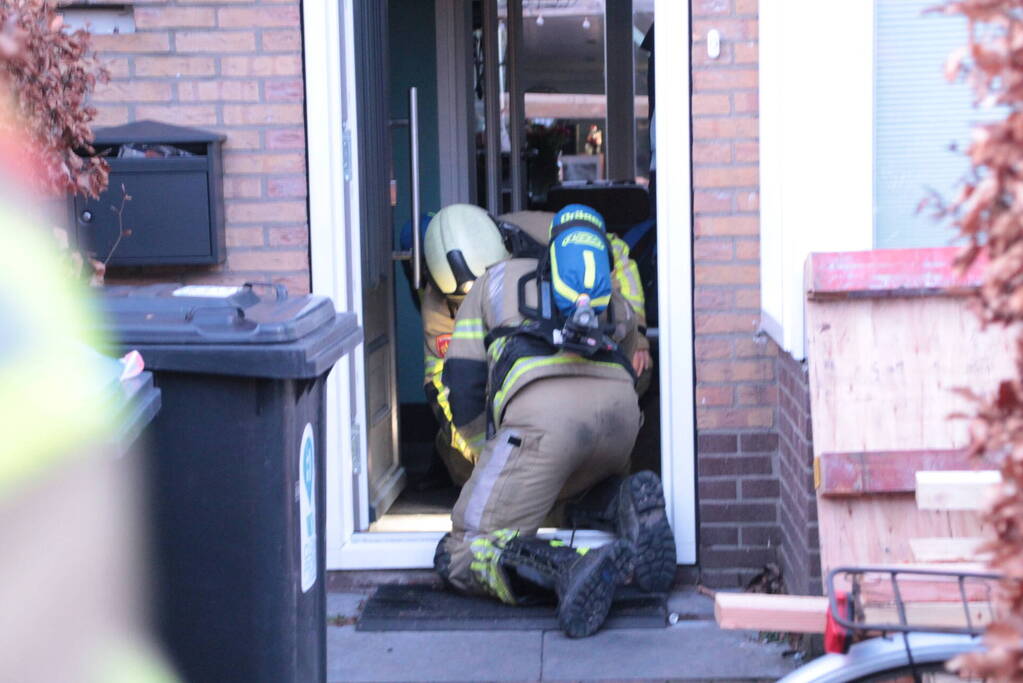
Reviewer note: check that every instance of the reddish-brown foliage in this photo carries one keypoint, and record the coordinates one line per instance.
(50, 73)
(989, 213)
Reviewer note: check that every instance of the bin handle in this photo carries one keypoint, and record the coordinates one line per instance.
(238, 311)
(281, 290)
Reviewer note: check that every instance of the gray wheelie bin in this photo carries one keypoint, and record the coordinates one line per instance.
(235, 472)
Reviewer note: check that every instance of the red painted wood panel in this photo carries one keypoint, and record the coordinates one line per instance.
(890, 272)
(853, 474)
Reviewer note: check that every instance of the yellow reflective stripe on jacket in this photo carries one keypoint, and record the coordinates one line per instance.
(626, 275)
(471, 328)
(434, 375)
(476, 442)
(524, 365)
(496, 348)
(432, 366)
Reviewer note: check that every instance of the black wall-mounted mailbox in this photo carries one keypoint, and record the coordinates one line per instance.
(174, 177)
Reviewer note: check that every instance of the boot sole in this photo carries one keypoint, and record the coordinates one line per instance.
(583, 604)
(643, 522)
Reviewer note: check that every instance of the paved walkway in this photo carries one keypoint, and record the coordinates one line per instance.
(694, 649)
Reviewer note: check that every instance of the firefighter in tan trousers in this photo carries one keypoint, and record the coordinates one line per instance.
(522, 233)
(539, 362)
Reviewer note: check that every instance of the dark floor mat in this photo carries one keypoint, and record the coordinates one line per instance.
(426, 608)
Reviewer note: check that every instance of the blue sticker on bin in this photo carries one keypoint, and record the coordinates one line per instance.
(307, 507)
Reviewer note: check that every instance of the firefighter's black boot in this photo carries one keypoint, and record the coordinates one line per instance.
(584, 580)
(643, 522)
(597, 508)
(633, 509)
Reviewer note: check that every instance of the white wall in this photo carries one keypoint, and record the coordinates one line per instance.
(816, 146)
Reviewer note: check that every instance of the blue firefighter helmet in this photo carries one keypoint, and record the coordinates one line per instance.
(580, 259)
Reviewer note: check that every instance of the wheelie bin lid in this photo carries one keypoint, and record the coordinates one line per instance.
(252, 330)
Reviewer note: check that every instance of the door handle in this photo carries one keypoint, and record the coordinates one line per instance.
(416, 254)
(417, 247)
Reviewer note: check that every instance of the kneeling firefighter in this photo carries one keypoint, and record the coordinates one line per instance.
(539, 362)
(461, 241)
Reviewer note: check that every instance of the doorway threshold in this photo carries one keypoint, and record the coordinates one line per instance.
(415, 549)
(397, 522)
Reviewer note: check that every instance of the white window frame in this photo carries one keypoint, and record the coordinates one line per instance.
(816, 147)
(335, 246)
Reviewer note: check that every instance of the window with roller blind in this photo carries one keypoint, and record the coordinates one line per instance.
(857, 126)
(922, 122)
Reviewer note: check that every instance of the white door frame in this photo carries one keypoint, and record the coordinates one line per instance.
(335, 247)
(675, 268)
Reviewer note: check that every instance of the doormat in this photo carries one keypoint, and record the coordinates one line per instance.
(428, 608)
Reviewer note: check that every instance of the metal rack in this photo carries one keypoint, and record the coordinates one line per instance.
(959, 581)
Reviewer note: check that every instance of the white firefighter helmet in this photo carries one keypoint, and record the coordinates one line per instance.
(462, 241)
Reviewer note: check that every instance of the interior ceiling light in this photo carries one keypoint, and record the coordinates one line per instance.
(586, 24)
(539, 20)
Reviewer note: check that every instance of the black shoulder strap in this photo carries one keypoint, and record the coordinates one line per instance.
(519, 242)
(537, 329)
(525, 310)
(498, 332)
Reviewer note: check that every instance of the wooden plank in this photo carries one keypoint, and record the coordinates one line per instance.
(890, 273)
(881, 378)
(880, 592)
(762, 612)
(949, 614)
(946, 549)
(956, 490)
(856, 473)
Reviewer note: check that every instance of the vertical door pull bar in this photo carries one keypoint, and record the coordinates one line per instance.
(417, 247)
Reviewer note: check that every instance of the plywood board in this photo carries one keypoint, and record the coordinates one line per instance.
(876, 529)
(882, 373)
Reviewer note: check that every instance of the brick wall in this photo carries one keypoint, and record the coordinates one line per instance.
(800, 552)
(234, 67)
(736, 392)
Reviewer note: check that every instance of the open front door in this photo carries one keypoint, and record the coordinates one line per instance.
(385, 475)
(359, 188)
